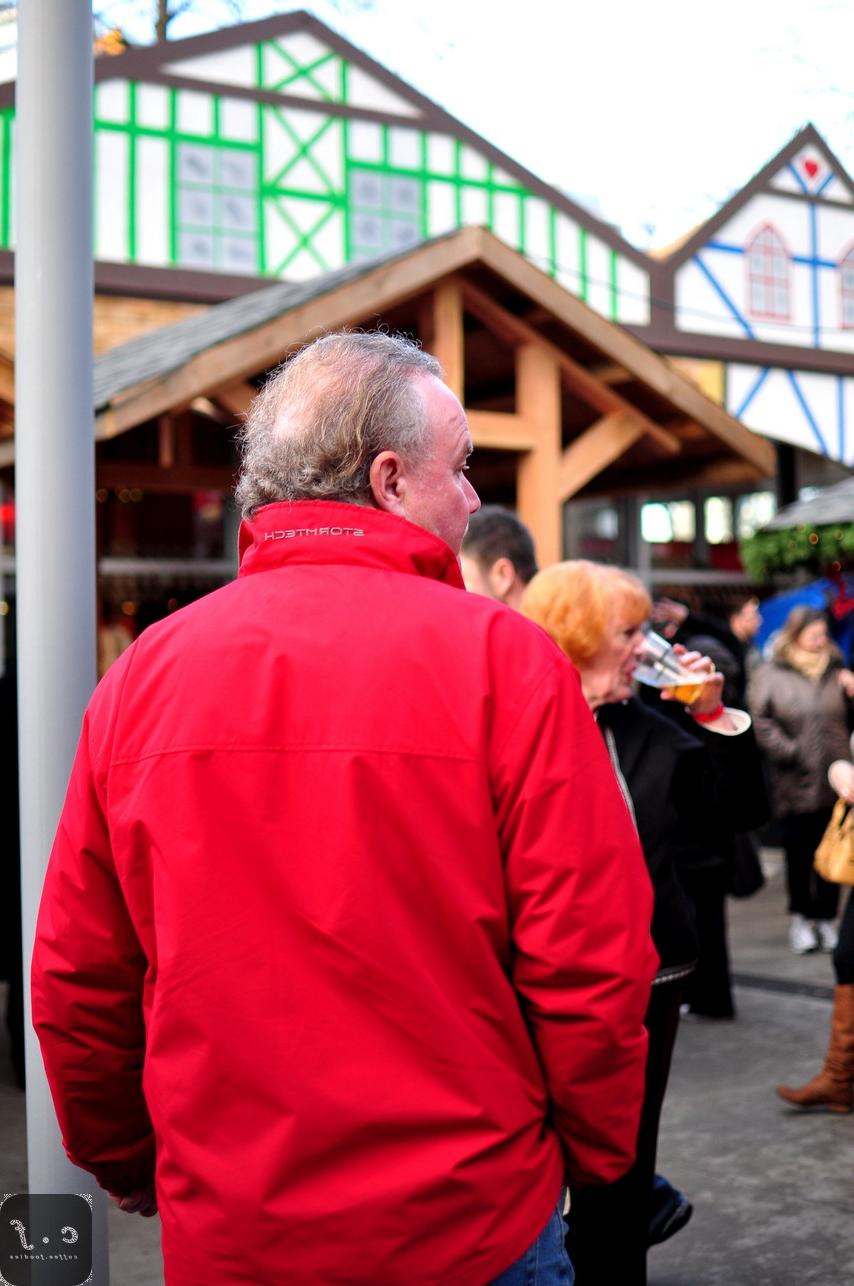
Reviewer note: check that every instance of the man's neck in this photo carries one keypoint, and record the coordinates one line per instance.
(514, 595)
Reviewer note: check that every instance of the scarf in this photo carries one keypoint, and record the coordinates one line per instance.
(811, 665)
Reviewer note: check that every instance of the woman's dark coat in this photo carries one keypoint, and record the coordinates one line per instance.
(684, 782)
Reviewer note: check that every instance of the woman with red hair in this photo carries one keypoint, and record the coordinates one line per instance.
(699, 767)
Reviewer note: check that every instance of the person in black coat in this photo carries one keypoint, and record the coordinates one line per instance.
(727, 639)
(703, 770)
(714, 865)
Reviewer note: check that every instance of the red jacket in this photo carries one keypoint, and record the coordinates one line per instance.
(346, 920)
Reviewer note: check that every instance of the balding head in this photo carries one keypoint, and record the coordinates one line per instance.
(324, 416)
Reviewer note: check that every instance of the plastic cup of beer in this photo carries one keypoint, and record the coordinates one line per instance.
(659, 666)
(686, 692)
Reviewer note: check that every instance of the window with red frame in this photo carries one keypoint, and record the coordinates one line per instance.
(768, 274)
(846, 274)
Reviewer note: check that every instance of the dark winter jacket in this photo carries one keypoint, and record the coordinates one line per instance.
(715, 639)
(682, 779)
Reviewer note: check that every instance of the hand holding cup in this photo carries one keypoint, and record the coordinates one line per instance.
(679, 675)
(704, 697)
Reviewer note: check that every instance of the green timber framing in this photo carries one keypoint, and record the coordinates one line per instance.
(315, 190)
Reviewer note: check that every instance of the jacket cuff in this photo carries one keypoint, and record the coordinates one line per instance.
(121, 1178)
(740, 718)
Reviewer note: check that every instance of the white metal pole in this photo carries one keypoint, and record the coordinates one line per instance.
(54, 482)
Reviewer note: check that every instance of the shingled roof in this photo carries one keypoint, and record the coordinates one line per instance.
(157, 353)
(833, 505)
(625, 417)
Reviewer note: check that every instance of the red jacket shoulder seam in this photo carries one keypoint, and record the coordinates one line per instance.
(550, 669)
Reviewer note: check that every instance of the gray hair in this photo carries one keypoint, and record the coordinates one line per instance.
(327, 412)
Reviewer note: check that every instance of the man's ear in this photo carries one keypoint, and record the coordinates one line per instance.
(388, 482)
(502, 578)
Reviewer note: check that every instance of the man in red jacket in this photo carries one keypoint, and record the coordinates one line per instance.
(342, 947)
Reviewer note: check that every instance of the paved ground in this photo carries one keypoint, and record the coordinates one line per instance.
(773, 1189)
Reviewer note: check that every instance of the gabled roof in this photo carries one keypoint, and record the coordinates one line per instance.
(629, 420)
(237, 340)
(157, 64)
(808, 137)
(158, 352)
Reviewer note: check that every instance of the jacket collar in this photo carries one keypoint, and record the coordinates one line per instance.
(328, 532)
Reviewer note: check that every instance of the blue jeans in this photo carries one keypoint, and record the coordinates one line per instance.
(546, 1262)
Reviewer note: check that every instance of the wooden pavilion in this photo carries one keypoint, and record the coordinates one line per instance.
(562, 403)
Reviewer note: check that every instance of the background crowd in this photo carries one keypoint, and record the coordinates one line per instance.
(703, 797)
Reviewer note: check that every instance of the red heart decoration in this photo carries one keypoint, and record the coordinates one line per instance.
(811, 168)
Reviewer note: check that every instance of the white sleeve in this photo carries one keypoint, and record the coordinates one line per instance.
(740, 718)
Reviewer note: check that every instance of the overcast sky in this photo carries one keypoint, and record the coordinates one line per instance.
(650, 114)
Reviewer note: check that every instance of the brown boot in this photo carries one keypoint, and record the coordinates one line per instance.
(833, 1085)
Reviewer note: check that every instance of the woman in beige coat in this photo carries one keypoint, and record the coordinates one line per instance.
(801, 706)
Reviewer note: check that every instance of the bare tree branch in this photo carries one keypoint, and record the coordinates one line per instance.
(160, 14)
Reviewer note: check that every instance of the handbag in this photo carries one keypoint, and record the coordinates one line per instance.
(834, 857)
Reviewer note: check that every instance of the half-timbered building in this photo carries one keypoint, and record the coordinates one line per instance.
(278, 151)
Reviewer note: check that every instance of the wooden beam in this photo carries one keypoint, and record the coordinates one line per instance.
(604, 399)
(149, 477)
(538, 399)
(501, 431)
(688, 431)
(206, 409)
(617, 345)
(720, 473)
(581, 381)
(448, 345)
(611, 373)
(596, 448)
(236, 399)
(736, 474)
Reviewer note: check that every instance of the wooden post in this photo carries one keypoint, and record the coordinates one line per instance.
(166, 441)
(538, 392)
(183, 437)
(236, 399)
(447, 344)
(424, 313)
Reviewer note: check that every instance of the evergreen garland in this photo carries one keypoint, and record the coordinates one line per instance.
(820, 549)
